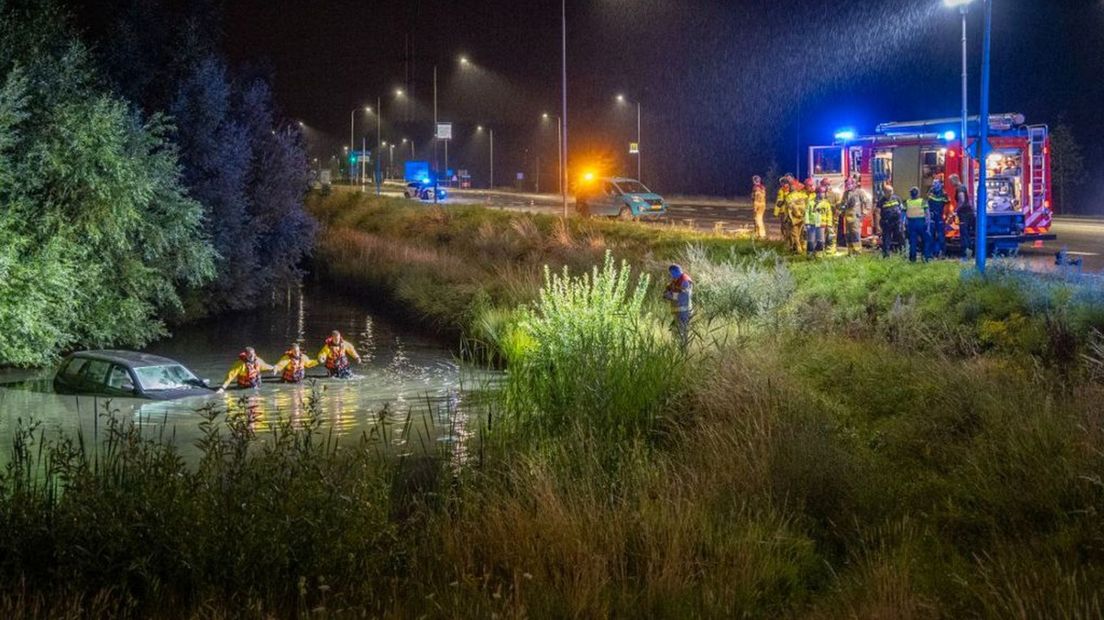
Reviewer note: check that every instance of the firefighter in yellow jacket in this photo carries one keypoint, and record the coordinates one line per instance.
(781, 211)
(292, 367)
(759, 205)
(796, 203)
(246, 371)
(335, 355)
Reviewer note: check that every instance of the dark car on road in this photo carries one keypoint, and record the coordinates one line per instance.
(127, 374)
(424, 191)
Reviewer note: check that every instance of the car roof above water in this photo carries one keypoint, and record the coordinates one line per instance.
(133, 359)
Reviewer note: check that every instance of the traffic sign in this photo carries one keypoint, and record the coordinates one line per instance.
(444, 131)
(634, 148)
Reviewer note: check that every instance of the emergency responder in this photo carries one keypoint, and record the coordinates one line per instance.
(246, 371)
(292, 367)
(335, 355)
(679, 294)
(937, 211)
(889, 208)
(781, 211)
(796, 203)
(817, 213)
(966, 216)
(759, 206)
(828, 215)
(919, 227)
(856, 204)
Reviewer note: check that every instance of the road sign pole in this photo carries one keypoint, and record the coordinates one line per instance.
(982, 248)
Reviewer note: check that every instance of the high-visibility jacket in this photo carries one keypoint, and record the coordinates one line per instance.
(916, 208)
(247, 373)
(336, 354)
(780, 202)
(796, 203)
(294, 367)
(759, 198)
(890, 203)
(826, 212)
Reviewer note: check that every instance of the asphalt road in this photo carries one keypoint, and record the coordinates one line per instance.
(1081, 237)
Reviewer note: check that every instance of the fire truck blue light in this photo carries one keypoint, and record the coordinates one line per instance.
(949, 136)
(845, 135)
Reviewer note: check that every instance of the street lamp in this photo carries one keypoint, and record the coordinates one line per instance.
(352, 122)
(479, 129)
(560, 136)
(981, 247)
(404, 141)
(639, 146)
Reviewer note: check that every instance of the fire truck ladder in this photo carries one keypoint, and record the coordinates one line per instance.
(1037, 136)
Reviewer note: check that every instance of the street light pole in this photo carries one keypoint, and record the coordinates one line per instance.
(639, 147)
(563, 128)
(965, 163)
(379, 140)
(983, 142)
(491, 185)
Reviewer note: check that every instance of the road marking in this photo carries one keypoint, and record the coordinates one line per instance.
(1071, 253)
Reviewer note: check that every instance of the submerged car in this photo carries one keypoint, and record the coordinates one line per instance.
(127, 374)
(626, 199)
(424, 191)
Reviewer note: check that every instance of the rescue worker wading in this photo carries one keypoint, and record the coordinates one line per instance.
(292, 367)
(246, 371)
(781, 210)
(966, 216)
(937, 214)
(890, 208)
(680, 295)
(797, 201)
(335, 355)
(759, 206)
(856, 204)
(919, 227)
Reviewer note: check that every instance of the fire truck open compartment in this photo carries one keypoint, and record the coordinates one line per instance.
(917, 153)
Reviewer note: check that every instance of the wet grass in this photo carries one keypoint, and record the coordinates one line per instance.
(839, 439)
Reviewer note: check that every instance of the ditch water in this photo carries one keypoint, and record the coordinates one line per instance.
(409, 394)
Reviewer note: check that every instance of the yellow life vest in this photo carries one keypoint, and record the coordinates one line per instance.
(916, 208)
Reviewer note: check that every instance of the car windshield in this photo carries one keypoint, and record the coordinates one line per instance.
(169, 377)
(633, 187)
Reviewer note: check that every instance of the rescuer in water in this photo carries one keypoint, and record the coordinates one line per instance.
(335, 355)
(292, 367)
(246, 371)
(781, 210)
(919, 227)
(890, 209)
(965, 213)
(856, 204)
(679, 294)
(797, 201)
(937, 211)
(759, 205)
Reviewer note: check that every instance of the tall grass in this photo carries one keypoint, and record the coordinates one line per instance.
(587, 354)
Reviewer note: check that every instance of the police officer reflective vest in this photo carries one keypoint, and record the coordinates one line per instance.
(915, 208)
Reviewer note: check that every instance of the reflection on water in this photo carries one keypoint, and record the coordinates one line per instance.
(408, 392)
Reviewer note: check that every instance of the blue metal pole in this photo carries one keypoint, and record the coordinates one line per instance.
(982, 201)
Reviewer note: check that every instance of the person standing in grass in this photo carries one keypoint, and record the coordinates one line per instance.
(759, 205)
(293, 366)
(781, 209)
(335, 355)
(797, 201)
(679, 294)
(916, 209)
(246, 371)
(890, 209)
(856, 204)
(937, 212)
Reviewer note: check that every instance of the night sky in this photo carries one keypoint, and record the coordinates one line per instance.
(728, 88)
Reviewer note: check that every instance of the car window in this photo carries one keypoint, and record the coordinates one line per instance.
(95, 374)
(633, 187)
(609, 189)
(118, 377)
(168, 377)
(72, 369)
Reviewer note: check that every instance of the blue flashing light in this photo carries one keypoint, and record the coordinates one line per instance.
(845, 135)
(949, 136)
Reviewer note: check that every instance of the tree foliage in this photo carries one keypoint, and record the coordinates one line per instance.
(97, 233)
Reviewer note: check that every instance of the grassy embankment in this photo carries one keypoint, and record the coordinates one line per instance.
(857, 438)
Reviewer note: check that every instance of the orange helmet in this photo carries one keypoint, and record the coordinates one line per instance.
(810, 184)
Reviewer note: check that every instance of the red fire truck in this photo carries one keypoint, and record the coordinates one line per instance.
(916, 153)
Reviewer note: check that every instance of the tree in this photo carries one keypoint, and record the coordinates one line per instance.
(1066, 163)
(97, 235)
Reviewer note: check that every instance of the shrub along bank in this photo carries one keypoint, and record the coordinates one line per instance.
(817, 451)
